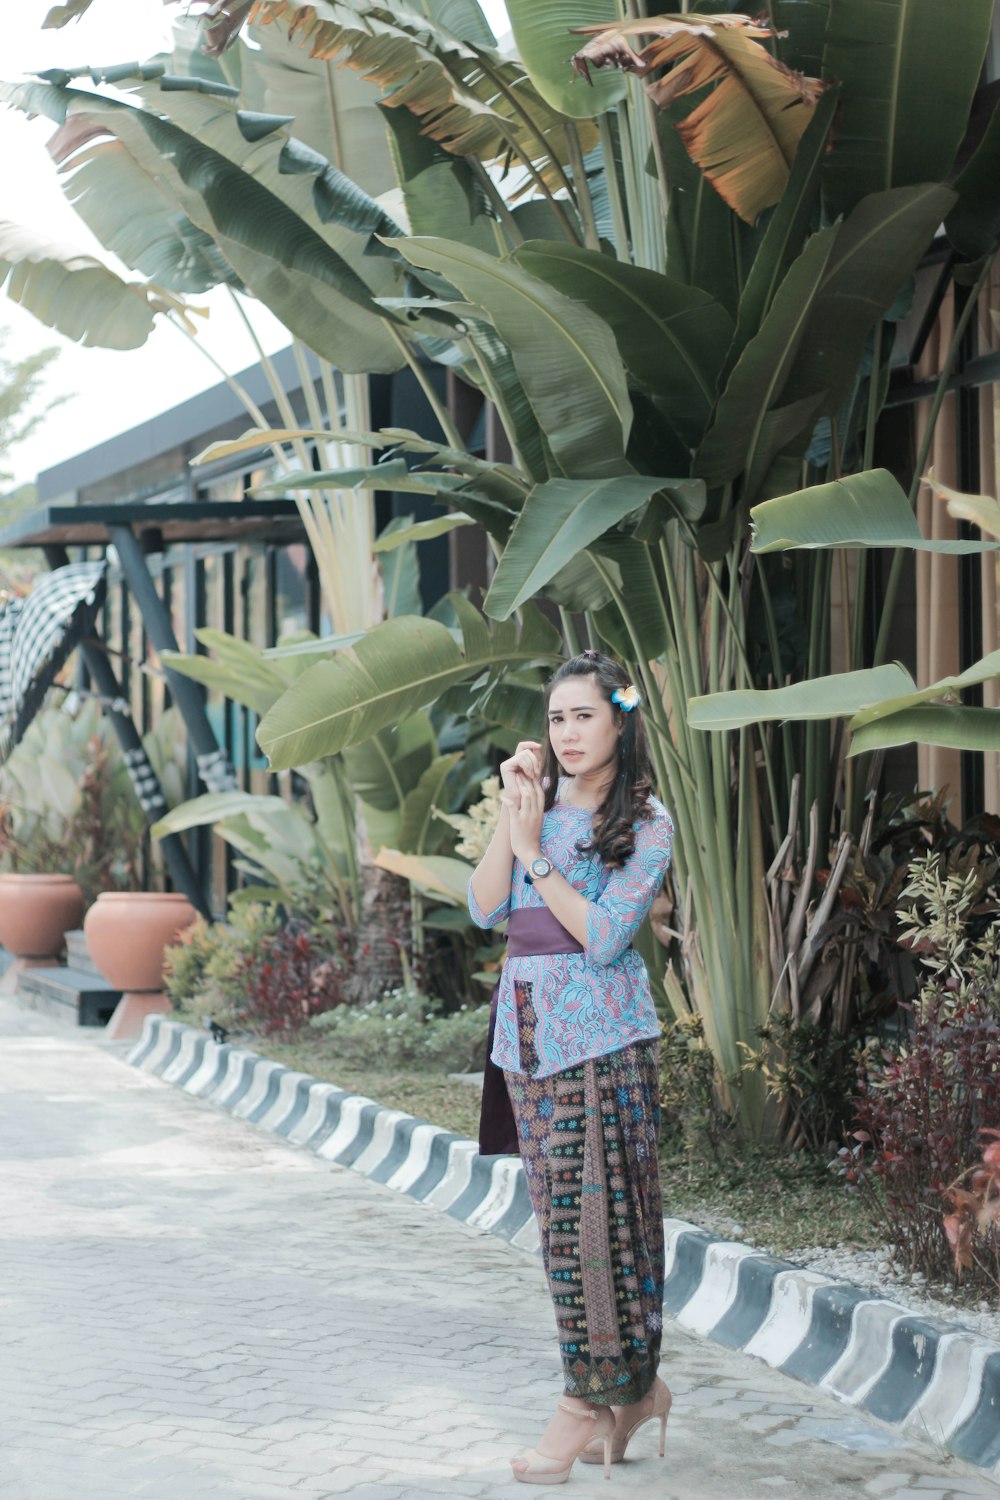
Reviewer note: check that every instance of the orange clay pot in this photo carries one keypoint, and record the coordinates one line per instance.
(36, 912)
(127, 932)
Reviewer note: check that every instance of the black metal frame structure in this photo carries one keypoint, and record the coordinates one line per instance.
(136, 531)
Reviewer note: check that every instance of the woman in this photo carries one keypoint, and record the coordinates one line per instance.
(580, 852)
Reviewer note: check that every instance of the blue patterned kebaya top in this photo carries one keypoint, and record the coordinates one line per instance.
(595, 1002)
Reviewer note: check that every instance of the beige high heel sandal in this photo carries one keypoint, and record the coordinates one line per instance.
(662, 1401)
(538, 1468)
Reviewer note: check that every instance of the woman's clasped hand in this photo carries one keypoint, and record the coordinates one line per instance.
(524, 798)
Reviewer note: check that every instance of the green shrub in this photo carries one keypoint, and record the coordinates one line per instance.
(811, 1073)
(405, 1029)
(694, 1121)
(204, 971)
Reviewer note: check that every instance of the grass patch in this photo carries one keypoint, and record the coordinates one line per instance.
(781, 1202)
(430, 1096)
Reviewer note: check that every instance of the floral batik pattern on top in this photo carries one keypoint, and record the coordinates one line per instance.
(588, 1139)
(595, 1002)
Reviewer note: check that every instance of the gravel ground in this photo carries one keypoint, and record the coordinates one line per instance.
(873, 1270)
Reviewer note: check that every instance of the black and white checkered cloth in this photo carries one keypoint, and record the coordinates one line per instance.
(37, 635)
(9, 617)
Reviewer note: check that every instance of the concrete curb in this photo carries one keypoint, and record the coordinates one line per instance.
(934, 1378)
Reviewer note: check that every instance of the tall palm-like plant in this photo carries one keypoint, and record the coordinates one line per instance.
(660, 323)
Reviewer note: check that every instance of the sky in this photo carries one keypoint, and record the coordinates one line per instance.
(109, 391)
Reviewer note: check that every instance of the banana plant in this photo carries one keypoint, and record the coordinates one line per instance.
(883, 707)
(82, 297)
(659, 356)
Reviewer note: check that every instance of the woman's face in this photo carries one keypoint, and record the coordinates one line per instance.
(583, 728)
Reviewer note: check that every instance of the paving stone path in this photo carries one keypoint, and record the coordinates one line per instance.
(191, 1308)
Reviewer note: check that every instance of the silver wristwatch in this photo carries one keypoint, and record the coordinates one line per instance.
(540, 867)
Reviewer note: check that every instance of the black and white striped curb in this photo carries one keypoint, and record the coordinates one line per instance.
(934, 1378)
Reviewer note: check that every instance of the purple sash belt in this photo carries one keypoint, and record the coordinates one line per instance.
(534, 930)
(530, 931)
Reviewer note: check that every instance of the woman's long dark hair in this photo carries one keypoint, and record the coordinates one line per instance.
(627, 800)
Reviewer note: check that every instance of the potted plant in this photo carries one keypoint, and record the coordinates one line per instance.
(66, 830)
(36, 912)
(71, 837)
(127, 932)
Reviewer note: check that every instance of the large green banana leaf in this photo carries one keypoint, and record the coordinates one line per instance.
(466, 95)
(546, 44)
(760, 376)
(870, 509)
(420, 830)
(565, 355)
(304, 179)
(805, 357)
(236, 668)
(952, 726)
(397, 668)
(788, 226)
(392, 474)
(441, 193)
(69, 290)
(266, 223)
(672, 337)
(123, 207)
(877, 251)
(984, 670)
(635, 624)
(561, 518)
(333, 108)
(510, 398)
(200, 812)
(841, 695)
(804, 21)
(421, 531)
(909, 70)
(974, 223)
(280, 254)
(385, 769)
(127, 212)
(439, 875)
(706, 246)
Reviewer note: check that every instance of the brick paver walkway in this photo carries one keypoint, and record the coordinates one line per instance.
(189, 1308)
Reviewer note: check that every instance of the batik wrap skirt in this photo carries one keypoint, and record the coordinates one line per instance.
(588, 1141)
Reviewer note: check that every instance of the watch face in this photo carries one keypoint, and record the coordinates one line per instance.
(541, 867)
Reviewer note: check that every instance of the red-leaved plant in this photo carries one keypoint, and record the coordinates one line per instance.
(924, 1102)
(287, 979)
(919, 1114)
(973, 1226)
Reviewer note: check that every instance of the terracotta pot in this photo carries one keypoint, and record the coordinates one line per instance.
(36, 912)
(127, 932)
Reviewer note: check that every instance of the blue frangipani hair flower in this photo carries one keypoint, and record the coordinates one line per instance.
(627, 698)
